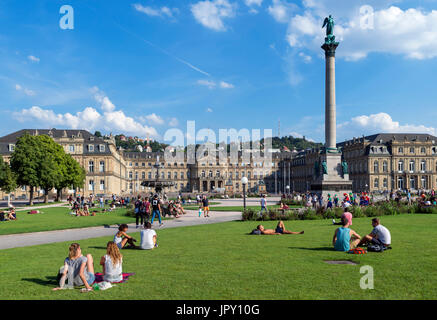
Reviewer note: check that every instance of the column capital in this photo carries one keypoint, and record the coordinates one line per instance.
(330, 48)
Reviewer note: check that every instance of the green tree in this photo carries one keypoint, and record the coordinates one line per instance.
(98, 134)
(25, 163)
(73, 176)
(8, 181)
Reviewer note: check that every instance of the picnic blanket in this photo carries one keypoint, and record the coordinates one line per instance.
(99, 277)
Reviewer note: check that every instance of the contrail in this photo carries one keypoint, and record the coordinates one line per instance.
(155, 46)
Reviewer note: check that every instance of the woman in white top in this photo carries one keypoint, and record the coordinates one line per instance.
(112, 263)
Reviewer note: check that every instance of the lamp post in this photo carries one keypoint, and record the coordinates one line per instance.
(244, 181)
(288, 189)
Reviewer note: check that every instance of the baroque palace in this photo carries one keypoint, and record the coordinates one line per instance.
(380, 162)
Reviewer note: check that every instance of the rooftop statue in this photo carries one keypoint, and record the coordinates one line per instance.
(329, 23)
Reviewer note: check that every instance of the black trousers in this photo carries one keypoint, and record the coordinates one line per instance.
(140, 216)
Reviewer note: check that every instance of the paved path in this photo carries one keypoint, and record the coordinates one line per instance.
(36, 238)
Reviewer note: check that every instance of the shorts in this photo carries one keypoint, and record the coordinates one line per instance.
(279, 230)
(90, 278)
(378, 242)
(205, 208)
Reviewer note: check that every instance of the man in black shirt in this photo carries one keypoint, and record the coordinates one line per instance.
(205, 205)
(139, 214)
(156, 207)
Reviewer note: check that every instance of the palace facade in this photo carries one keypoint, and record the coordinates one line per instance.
(380, 162)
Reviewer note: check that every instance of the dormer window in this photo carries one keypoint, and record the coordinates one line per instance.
(91, 148)
(11, 147)
(102, 148)
(91, 138)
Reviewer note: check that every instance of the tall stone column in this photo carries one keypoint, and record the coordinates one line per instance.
(330, 108)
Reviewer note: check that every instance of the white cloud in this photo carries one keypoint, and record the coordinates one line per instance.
(157, 12)
(211, 13)
(225, 85)
(110, 120)
(207, 83)
(26, 91)
(306, 58)
(33, 58)
(173, 122)
(410, 32)
(281, 10)
(155, 119)
(212, 84)
(253, 3)
(379, 123)
(209, 110)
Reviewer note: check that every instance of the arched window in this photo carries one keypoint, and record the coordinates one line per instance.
(376, 183)
(422, 150)
(385, 183)
(385, 166)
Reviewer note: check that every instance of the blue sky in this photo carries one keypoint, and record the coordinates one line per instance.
(143, 66)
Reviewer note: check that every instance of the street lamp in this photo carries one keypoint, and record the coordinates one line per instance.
(244, 181)
(288, 189)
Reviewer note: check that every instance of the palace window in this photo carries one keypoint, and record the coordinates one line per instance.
(143, 175)
(169, 175)
(385, 166)
(149, 175)
(136, 175)
(102, 185)
(412, 165)
(400, 165)
(175, 175)
(210, 173)
(422, 150)
(162, 175)
(217, 173)
(130, 174)
(102, 166)
(401, 150)
(423, 182)
(376, 183)
(182, 175)
(91, 166)
(385, 183)
(91, 185)
(423, 165)
(400, 183)
(412, 150)
(376, 166)
(72, 148)
(102, 148)
(11, 147)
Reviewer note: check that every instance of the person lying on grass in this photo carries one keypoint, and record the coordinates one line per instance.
(380, 235)
(280, 229)
(112, 263)
(79, 270)
(121, 237)
(345, 239)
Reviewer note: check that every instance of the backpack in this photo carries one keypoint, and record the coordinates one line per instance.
(255, 232)
(357, 251)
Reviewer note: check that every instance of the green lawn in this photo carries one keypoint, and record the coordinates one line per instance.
(58, 218)
(221, 262)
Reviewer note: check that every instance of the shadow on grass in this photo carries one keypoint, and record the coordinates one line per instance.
(48, 281)
(97, 248)
(314, 249)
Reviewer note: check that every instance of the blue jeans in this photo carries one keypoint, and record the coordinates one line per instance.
(159, 215)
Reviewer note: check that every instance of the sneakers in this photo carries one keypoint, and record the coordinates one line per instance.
(333, 221)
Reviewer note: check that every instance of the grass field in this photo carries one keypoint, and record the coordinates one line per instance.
(222, 262)
(58, 218)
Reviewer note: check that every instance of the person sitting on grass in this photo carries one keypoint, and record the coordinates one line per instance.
(148, 237)
(79, 270)
(347, 215)
(12, 215)
(112, 263)
(86, 211)
(380, 235)
(121, 237)
(280, 229)
(345, 239)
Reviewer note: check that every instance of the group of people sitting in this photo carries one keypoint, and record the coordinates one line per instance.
(346, 239)
(10, 215)
(78, 270)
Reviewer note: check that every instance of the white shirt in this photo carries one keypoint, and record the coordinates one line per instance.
(112, 273)
(383, 234)
(147, 239)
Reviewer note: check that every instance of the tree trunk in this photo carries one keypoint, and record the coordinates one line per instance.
(31, 196)
(46, 196)
(58, 195)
